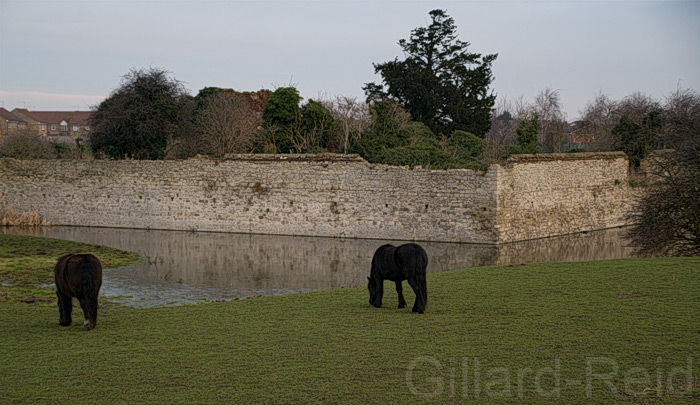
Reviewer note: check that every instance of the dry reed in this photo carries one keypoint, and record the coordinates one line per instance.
(10, 217)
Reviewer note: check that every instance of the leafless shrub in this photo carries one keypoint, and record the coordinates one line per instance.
(26, 145)
(227, 125)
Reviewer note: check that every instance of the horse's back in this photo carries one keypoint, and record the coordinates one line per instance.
(60, 271)
(383, 253)
(75, 274)
(383, 264)
(411, 255)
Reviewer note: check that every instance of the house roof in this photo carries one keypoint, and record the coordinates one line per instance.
(8, 116)
(55, 117)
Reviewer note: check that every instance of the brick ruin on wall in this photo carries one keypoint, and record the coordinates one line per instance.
(533, 196)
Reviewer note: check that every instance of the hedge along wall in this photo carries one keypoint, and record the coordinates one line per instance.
(326, 195)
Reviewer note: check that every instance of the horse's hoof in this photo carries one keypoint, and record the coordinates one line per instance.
(377, 305)
(60, 322)
(87, 325)
(402, 306)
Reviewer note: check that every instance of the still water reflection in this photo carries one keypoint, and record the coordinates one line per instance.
(181, 267)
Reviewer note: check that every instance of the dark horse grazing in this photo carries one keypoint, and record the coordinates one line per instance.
(406, 262)
(78, 276)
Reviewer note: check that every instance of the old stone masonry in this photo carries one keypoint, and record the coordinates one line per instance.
(532, 196)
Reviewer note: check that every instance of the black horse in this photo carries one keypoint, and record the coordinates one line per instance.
(78, 276)
(406, 262)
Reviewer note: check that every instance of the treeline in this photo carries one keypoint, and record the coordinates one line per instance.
(151, 116)
(636, 124)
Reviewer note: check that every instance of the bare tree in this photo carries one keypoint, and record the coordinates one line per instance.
(600, 117)
(667, 214)
(353, 118)
(636, 106)
(503, 121)
(681, 120)
(227, 125)
(548, 108)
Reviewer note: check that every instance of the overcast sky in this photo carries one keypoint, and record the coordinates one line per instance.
(67, 55)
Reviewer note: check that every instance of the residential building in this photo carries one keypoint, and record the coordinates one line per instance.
(10, 123)
(580, 135)
(56, 123)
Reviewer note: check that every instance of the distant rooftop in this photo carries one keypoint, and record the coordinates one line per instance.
(55, 117)
(8, 116)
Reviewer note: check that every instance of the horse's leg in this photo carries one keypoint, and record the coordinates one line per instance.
(399, 290)
(418, 305)
(93, 317)
(89, 311)
(65, 307)
(380, 293)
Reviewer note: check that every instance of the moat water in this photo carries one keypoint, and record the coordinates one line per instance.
(180, 267)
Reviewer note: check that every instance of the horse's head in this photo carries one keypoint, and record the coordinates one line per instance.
(372, 287)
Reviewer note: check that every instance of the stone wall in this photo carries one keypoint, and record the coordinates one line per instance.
(327, 195)
(292, 195)
(561, 193)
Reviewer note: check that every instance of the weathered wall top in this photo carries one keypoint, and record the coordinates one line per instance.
(548, 157)
(319, 157)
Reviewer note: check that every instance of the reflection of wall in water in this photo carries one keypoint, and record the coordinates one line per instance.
(268, 262)
(599, 245)
(261, 262)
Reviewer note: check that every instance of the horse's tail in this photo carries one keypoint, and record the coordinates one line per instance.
(91, 281)
(421, 269)
(88, 276)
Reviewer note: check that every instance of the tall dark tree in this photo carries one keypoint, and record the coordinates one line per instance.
(527, 132)
(440, 83)
(147, 113)
(638, 139)
(282, 116)
(315, 129)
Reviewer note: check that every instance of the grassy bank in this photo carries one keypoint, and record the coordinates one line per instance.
(536, 333)
(26, 263)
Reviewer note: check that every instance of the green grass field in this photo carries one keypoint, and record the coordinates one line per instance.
(623, 331)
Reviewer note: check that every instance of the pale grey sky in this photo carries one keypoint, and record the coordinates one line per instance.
(66, 55)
